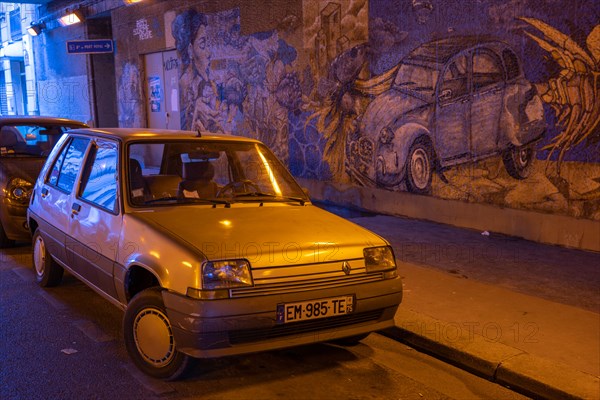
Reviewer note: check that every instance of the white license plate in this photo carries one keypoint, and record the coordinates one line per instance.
(313, 309)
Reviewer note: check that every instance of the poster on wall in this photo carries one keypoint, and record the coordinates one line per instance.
(155, 93)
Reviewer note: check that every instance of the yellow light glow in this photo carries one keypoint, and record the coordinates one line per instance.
(155, 254)
(69, 19)
(187, 264)
(226, 223)
(269, 172)
(132, 1)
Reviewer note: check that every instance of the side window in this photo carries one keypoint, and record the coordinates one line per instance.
(99, 180)
(55, 171)
(487, 70)
(512, 64)
(65, 169)
(455, 83)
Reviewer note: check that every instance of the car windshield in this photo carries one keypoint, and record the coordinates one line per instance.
(417, 80)
(29, 140)
(207, 172)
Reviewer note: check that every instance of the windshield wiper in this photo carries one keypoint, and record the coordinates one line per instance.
(272, 196)
(227, 203)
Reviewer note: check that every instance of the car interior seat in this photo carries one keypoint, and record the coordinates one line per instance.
(137, 183)
(10, 138)
(197, 180)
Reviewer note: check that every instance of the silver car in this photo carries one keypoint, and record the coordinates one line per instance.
(208, 244)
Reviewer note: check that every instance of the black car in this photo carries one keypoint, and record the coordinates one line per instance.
(25, 142)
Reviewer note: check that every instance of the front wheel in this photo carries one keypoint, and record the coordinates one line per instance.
(47, 271)
(419, 167)
(149, 337)
(518, 161)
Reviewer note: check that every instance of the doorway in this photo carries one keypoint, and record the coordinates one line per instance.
(162, 88)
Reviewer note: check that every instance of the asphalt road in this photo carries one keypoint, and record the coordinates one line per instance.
(66, 343)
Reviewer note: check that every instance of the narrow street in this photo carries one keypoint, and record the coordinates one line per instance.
(66, 342)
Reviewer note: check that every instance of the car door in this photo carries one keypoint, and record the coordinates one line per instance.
(95, 222)
(54, 201)
(452, 112)
(486, 105)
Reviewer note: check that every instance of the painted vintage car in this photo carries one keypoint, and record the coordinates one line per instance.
(208, 244)
(25, 142)
(453, 101)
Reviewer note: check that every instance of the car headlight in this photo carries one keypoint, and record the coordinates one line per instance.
(379, 259)
(19, 189)
(226, 274)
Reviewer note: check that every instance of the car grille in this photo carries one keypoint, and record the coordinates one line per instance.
(301, 278)
(256, 335)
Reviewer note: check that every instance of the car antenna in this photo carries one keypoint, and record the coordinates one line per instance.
(199, 132)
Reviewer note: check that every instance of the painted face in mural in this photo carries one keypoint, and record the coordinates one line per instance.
(199, 52)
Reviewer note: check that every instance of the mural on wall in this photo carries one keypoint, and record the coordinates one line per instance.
(463, 116)
(478, 101)
(131, 96)
(235, 83)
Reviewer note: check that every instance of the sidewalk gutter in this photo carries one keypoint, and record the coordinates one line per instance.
(531, 375)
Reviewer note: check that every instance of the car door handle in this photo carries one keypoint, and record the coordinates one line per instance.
(75, 208)
(44, 193)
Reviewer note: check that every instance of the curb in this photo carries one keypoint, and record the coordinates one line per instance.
(531, 375)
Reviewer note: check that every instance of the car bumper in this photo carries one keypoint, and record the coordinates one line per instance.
(14, 220)
(215, 328)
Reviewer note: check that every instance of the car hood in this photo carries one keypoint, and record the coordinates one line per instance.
(21, 167)
(387, 109)
(268, 235)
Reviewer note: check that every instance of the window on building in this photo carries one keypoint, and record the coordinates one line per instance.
(15, 24)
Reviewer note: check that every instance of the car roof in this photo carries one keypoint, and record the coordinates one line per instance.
(39, 120)
(136, 134)
(440, 51)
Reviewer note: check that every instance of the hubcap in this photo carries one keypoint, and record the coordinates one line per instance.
(39, 256)
(419, 168)
(154, 337)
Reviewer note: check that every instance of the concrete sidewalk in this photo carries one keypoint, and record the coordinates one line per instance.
(519, 313)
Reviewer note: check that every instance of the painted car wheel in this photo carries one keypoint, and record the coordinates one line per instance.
(419, 168)
(47, 272)
(149, 337)
(518, 161)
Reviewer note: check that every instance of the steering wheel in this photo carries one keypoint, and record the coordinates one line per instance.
(238, 186)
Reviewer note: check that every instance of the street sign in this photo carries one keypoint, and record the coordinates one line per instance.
(92, 46)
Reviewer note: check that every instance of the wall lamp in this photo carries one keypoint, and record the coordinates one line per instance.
(36, 28)
(71, 17)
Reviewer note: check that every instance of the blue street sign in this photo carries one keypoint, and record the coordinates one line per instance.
(90, 46)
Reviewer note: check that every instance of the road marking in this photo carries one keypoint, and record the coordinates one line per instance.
(25, 274)
(92, 331)
(57, 304)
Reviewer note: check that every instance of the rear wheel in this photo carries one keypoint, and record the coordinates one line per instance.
(4, 240)
(149, 337)
(518, 161)
(47, 271)
(419, 167)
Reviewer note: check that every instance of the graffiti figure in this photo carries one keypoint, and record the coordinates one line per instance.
(201, 103)
(575, 93)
